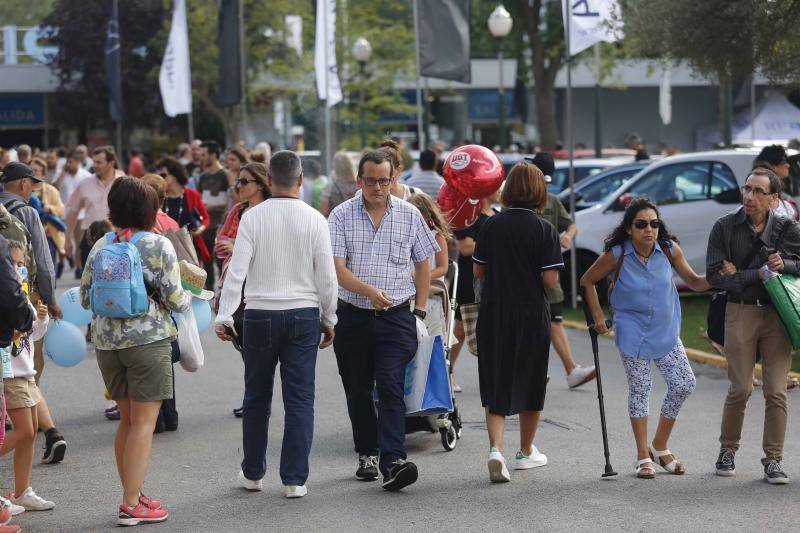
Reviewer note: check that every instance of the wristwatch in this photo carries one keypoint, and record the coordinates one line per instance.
(420, 313)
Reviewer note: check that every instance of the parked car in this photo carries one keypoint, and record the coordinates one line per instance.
(598, 187)
(583, 168)
(692, 191)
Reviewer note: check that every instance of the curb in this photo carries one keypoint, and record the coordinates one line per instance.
(698, 356)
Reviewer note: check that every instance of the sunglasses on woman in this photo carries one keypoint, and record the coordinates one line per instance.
(242, 182)
(641, 224)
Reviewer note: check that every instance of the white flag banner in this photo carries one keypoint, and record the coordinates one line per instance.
(591, 21)
(665, 97)
(328, 87)
(175, 78)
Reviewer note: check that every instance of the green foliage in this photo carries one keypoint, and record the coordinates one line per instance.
(718, 38)
(78, 29)
(389, 27)
(28, 13)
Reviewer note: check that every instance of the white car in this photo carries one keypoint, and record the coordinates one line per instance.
(691, 190)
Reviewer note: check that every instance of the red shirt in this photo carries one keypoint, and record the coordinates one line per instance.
(136, 167)
(164, 222)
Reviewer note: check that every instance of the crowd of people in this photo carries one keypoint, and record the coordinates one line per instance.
(298, 261)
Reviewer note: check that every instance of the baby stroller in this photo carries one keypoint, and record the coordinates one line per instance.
(448, 425)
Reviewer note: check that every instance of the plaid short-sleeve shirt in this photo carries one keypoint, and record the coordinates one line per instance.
(382, 257)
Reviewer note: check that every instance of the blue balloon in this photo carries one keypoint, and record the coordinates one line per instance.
(65, 344)
(202, 314)
(74, 312)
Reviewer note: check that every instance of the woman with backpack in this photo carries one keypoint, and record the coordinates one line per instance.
(639, 256)
(132, 331)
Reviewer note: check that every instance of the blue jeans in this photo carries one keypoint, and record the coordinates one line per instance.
(372, 352)
(291, 337)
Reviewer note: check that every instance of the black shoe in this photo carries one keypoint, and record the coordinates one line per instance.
(159, 424)
(171, 421)
(238, 412)
(773, 473)
(401, 474)
(367, 468)
(54, 447)
(725, 463)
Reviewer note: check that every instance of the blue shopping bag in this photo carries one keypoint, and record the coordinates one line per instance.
(427, 384)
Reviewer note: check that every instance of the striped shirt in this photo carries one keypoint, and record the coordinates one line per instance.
(731, 240)
(428, 180)
(382, 256)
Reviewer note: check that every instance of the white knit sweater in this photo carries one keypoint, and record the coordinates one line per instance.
(283, 249)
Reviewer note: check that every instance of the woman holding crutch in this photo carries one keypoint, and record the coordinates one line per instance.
(640, 254)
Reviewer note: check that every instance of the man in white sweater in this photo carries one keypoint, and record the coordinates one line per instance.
(283, 249)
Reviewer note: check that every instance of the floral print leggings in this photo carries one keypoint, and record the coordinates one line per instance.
(677, 373)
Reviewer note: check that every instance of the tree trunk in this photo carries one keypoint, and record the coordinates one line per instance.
(545, 110)
(725, 111)
(544, 66)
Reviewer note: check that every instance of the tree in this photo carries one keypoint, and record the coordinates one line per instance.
(78, 29)
(721, 40)
(537, 25)
(388, 26)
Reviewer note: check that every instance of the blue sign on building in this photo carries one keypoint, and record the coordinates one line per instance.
(22, 110)
(482, 104)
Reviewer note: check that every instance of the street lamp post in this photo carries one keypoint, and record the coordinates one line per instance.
(361, 52)
(500, 23)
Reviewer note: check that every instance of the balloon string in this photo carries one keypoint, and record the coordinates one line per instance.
(457, 211)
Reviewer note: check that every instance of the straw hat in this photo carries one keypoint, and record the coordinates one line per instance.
(193, 279)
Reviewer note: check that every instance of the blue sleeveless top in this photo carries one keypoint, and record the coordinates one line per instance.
(647, 311)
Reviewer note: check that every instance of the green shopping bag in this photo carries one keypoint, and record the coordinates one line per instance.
(784, 290)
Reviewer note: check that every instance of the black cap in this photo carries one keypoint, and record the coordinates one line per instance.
(544, 161)
(16, 171)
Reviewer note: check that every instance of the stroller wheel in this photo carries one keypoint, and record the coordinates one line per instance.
(449, 438)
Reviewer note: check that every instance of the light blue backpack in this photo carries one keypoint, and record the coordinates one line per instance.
(118, 289)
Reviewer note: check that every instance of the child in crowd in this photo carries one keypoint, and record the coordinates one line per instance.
(439, 228)
(95, 232)
(21, 397)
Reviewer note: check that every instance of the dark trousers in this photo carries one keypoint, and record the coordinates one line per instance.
(372, 351)
(291, 337)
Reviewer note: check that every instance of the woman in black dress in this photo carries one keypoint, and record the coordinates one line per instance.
(517, 255)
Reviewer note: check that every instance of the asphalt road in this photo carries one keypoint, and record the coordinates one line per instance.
(194, 469)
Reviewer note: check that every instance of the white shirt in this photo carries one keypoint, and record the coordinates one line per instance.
(22, 364)
(283, 249)
(67, 183)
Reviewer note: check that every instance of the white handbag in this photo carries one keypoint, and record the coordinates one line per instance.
(189, 341)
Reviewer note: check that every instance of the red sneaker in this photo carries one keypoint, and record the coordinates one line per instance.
(10, 529)
(152, 504)
(141, 514)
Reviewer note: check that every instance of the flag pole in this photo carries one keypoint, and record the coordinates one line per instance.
(419, 86)
(190, 120)
(327, 109)
(573, 268)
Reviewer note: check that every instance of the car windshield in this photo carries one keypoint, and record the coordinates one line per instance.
(561, 179)
(599, 188)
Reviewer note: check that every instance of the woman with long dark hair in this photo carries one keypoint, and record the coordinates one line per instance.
(640, 254)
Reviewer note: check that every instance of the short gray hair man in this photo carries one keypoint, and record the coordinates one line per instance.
(285, 169)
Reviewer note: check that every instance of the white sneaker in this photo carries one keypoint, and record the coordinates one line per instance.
(456, 387)
(581, 375)
(249, 484)
(524, 462)
(13, 510)
(31, 502)
(498, 472)
(295, 491)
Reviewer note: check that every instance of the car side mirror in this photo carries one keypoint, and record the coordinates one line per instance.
(731, 196)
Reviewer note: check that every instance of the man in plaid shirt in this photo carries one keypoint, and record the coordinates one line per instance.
(376, 238)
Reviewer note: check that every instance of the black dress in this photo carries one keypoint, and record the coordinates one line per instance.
(513, 328)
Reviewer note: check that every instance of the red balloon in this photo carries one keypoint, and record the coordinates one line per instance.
(461, 212)
(474, 170)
